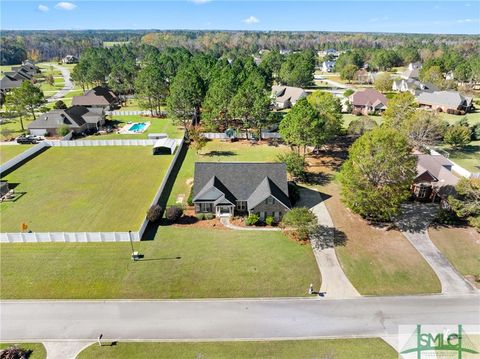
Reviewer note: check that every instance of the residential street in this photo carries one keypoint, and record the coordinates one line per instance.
(230, 318)
(66, 88)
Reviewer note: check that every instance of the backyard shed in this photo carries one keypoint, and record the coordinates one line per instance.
(165, 146)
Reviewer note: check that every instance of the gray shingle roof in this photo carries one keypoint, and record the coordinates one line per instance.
(450, 99)
(439, 167)
(243, 181)
(74, 117)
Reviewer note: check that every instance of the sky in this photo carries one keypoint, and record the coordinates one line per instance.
(439, 17)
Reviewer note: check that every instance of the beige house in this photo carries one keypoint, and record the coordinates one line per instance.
(286, 96)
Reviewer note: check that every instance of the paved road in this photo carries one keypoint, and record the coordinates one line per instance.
(68, 86)
(413, 223)
(335, 283)
(229, 319)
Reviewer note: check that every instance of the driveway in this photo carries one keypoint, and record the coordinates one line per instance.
(335, 283)
(68, 86)
(413, 223)
(228, 318)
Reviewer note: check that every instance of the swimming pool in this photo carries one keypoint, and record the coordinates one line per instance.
(138, 127)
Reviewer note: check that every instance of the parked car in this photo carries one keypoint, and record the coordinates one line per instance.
(27, 140)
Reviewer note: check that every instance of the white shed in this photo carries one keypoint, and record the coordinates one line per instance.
(165, 145)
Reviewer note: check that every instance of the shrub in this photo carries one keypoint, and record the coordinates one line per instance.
(445, 216)
(302, 219)
(59, 105)
(295, 164)
(154, 213)
(174, 213)
(252, 219)
(15, 352)
(209, 216)
(63, 130)
(476, 132)
(457, 136)
(200, 216)
(190, 197)
(269, 221)
(359, 127)
(348, 92)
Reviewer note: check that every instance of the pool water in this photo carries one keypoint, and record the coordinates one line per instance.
(138, 127)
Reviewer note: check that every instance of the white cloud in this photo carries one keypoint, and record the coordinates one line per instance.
(200, 2)
(43, 8)
(251, 20)
(463, 21)
(65, 6)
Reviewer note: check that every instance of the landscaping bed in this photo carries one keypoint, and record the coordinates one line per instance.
(177, 263)
(326, 348)
(84, 189)
(37, 350)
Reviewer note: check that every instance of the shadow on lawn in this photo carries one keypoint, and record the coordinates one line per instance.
(220, 153)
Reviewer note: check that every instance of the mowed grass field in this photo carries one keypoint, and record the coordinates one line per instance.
(80, 189)
(218, 151)
(468, 157)
(181, 262)
(327, 348)
(7, 152)
(37, 349)
(461, 246)
(157, 125)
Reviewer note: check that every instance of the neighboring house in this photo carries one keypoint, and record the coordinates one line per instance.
(412, 85)
(411, 73)
(70, 59)
(226, 188)
(286, 96)
(363, 76)
(8, 83)
(98, 97)
(77, 118)
(368, 101)
(414, 66)
(446, 101)
(328, 66)
(435, 180)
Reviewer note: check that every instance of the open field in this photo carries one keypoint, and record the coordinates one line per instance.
(218, 151)
(181, 262)
(473, 117)
(333, 348)
(38, 350)
(158, 125)
(368, 255)
(467, 157)
(84, 189)
(461, 246)
(8, 152)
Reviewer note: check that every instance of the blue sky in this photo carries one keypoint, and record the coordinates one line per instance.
(454, 17)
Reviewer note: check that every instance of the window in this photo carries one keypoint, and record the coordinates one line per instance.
(270, 200)
(241, 205)
(422, 192)
(206, 207)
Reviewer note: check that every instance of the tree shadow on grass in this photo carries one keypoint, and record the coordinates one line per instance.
(324, 237)
(219, 153)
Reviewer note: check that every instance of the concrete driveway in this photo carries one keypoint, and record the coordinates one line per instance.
(335, 283)
(68, 86)
(413, 223)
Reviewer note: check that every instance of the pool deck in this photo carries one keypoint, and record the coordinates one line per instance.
(126, 130)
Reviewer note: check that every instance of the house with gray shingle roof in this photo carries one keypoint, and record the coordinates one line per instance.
(445, 101)
(286, 96)
(77, 118)
(99, 97)
(226, 188)
(412, 85)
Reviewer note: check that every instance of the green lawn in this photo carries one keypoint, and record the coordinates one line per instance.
(473, 117)
(348, 117)
(467, 157)
(158, 125)
(461, 246)
(327, 348)
(12, 128)
(217, 151)
(84, 189)
(214, 262)
(37, 349)
(9, 151)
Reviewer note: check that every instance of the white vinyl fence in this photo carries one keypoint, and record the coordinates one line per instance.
(456, 168)
(241, 135)
(22, 156)
(68, 237)
(91, 143)
(84, 237)
(133, 113)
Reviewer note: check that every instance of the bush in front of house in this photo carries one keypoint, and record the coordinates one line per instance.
(269, 221)
(154, 213)
(252, 219)
(209, 216)
(63, 130)
(200, 216)
(174, 213)
(60, 105)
